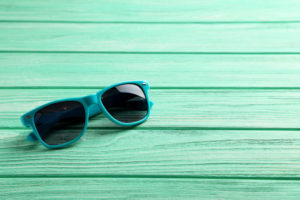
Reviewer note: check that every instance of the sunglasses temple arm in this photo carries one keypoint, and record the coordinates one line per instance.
(93, 109)
(151, 104)
(25, 119)
(31, 137)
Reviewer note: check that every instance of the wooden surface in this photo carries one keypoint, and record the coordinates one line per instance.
(225, 79)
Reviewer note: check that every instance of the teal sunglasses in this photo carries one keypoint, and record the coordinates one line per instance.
(60, 123)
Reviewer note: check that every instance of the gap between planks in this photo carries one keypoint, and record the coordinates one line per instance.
(135, 176)
(150, 22)
(175, 128)
(152, 88)
(155, 52)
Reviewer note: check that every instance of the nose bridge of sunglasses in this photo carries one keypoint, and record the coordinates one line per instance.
(93, 105)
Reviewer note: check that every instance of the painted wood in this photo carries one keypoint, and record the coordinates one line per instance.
(147, 188)
(230, 38)
(237, 108)
(212, 133)
(150, 11)
(157, 152)
(100, 70)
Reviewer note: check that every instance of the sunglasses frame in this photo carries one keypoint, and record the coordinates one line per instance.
(92, 106)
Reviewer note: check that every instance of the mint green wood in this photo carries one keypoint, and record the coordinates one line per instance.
(188, 70)
(236, 154)
(149, 188)
(150, 11)
(214, 108)
(189, 38)
(225, 77)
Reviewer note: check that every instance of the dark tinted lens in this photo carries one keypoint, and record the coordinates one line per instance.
(61, 122)
(126, 103)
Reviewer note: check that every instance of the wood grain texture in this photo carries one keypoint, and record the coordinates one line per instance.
(106, 188)
(153, 11)
(159, 153)
(225, 79)
(178, 108)
(100, 70)
(230, 38)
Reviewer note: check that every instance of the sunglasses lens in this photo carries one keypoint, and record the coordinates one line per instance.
(126, 103)
(61, 122)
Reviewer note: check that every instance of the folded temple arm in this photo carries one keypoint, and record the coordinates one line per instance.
(93, 107)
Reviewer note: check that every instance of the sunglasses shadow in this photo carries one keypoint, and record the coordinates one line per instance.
(109, 128)
(103, 122)
(21, 143)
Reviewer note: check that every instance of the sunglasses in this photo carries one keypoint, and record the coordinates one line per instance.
(62, 122)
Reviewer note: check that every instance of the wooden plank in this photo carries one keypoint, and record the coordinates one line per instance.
(145, 11)
(235, 38)
(237, 108)
(147, 188)
(157, 152)
(100, 70)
